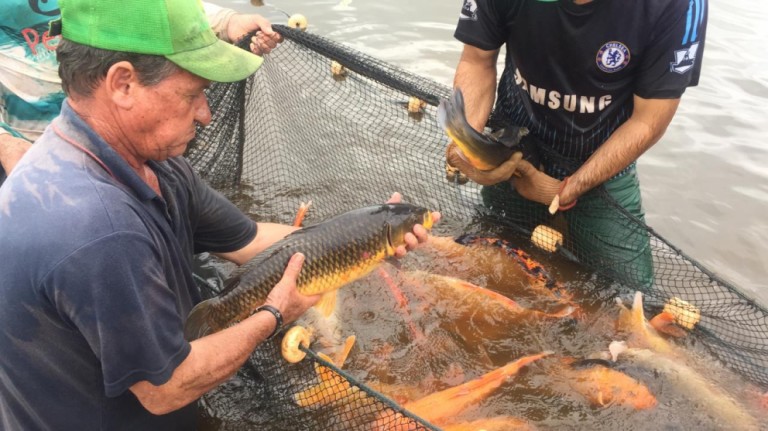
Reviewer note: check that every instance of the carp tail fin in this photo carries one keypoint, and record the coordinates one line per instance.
(198, 322)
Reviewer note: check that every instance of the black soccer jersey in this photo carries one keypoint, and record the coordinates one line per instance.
(571, 70)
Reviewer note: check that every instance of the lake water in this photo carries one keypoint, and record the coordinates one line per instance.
(705, 184)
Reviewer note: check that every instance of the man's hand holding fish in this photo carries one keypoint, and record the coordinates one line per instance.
(503, 172)
(419, 234)
(286, 298)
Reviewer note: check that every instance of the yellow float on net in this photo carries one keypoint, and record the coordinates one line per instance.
(337, 69)
(686, 314)
(298, 20)
(546, 238)
(415, 104)
(293, 338)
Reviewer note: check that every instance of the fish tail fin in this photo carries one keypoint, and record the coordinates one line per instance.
(343, 353)
(450, 115)
(327, 304)
(494, 378)
(514, 367)
(199, 322)
(637, 307)
(570, 310)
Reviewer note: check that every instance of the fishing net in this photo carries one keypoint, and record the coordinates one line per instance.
(324, 123)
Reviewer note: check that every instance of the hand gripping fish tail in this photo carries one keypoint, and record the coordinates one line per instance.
(482, 151)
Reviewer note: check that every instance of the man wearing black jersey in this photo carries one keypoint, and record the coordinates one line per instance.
(596, 82)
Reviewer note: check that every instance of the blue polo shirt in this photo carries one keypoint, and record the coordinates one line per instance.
(96, 280)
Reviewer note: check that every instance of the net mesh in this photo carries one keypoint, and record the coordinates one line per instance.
(296, 131)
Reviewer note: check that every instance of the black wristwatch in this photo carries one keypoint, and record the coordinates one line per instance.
(278, 317)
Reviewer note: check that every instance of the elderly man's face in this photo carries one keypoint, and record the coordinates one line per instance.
(166, 115)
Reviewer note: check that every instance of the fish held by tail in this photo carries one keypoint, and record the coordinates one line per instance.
(481, 151)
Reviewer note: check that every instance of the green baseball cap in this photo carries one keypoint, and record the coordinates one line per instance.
(175, 29)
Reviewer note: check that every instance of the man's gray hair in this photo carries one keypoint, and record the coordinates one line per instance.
(83, 67)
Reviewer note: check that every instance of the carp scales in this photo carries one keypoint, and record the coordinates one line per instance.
(484, 152)
(337, 251)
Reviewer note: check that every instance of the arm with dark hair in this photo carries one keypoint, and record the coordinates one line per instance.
(650, 119)
(476, 77)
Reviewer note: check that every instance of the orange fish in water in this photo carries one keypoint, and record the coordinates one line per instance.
(602, 385)
(495, 264)
(471, 296)
(665, 323)
(443, 406)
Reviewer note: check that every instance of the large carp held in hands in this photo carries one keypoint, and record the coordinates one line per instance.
(337, 251)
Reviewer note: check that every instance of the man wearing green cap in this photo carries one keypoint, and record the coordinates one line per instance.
(100, 220)
(30, 89)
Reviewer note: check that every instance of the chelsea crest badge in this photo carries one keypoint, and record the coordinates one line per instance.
(612, 57)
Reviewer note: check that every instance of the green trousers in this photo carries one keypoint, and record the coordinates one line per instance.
(605, 231)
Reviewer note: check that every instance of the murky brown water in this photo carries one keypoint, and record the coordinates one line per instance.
(428, 331)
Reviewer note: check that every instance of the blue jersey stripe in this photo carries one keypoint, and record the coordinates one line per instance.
(688, 22)
(695, 34)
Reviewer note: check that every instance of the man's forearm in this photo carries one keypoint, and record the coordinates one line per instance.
(212, 360)
(476, 76)
(640, 132)
(266, 235)
(218, 18)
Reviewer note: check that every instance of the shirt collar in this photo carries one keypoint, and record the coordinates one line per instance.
(76, 130)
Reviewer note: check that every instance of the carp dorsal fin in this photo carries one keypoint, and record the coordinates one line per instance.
(327, 303)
